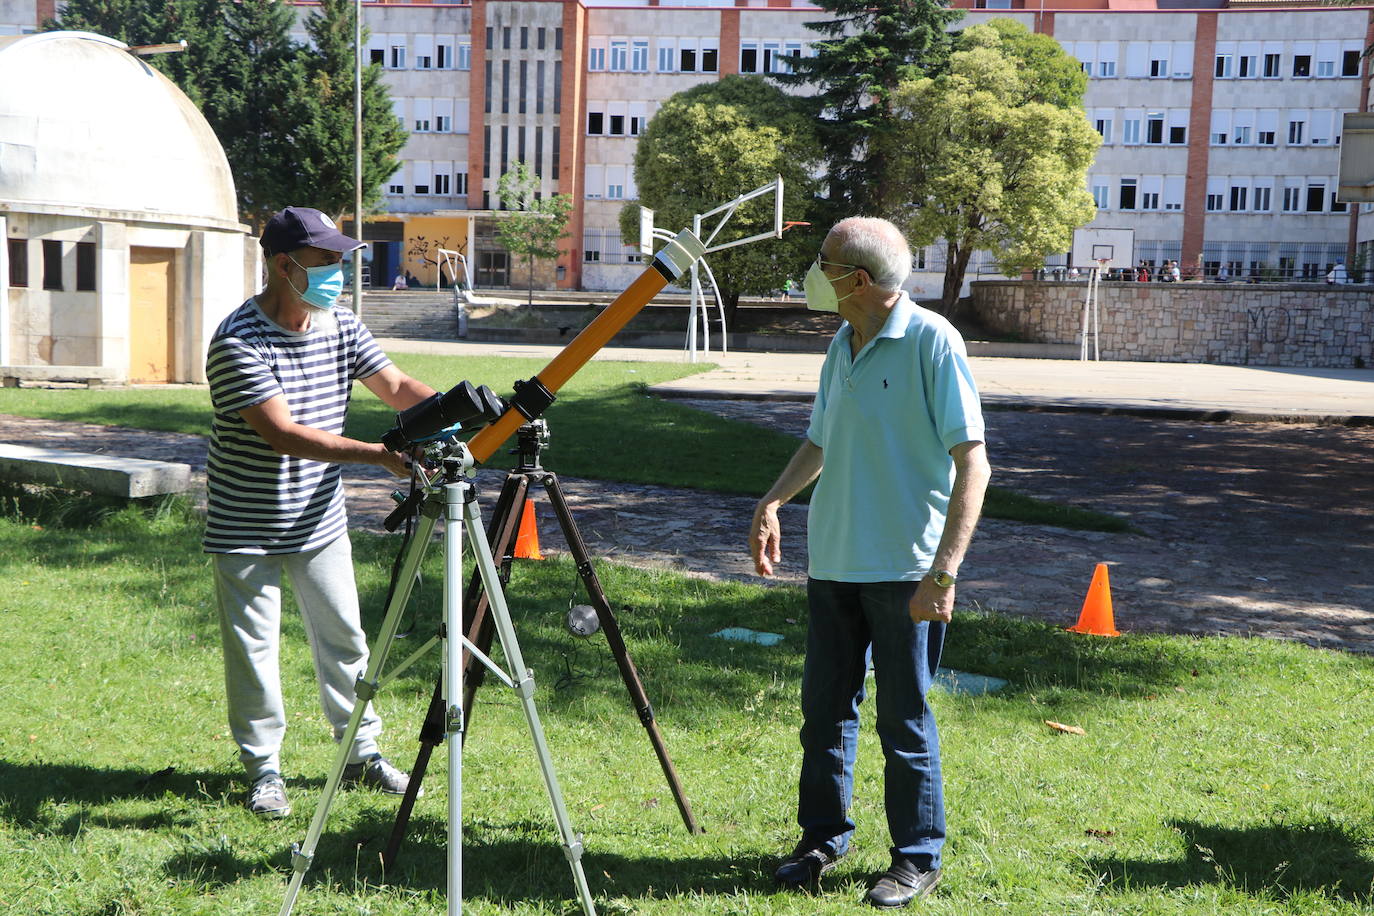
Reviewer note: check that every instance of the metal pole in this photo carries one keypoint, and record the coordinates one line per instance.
(358, 155)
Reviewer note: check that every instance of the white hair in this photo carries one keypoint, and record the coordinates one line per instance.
(877, 246)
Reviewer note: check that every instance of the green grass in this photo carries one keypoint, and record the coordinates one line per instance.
(604, 425)
(1216, 775)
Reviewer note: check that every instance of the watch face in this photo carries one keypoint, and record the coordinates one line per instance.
(942, 578)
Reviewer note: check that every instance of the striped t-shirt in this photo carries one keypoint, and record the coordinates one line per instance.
(259, 501)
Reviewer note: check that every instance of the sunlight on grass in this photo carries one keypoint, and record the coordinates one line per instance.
(1215, 776)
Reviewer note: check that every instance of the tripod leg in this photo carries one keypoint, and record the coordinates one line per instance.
(302, 855)
(501, 534)
(628, 674)
(523, 680)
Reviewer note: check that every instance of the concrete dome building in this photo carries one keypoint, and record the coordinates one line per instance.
(123, 243)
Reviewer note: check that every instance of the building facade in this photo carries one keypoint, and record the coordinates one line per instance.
(1220, 123)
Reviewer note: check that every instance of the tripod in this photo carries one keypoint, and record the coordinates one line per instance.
(447, 492)
(478, 627)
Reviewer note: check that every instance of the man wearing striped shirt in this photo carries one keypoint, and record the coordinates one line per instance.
(281, 369)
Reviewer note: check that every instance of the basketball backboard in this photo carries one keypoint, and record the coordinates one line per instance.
(1357, 158)
(1091, 247)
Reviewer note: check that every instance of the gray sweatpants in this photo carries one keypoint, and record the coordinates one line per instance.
(248, 587)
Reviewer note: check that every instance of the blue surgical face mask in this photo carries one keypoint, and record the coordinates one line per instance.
(323, 284)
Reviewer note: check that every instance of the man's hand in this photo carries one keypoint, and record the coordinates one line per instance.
(397, 463)
(931, 602)
(765, 538)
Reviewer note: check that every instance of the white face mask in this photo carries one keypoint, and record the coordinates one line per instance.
(820, 290)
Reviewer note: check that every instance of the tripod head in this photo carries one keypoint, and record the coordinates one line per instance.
(530, 440)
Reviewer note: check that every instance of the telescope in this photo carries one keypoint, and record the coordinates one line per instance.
(442, 415)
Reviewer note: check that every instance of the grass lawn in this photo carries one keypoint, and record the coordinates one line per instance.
(604, 426)
(1215, 776)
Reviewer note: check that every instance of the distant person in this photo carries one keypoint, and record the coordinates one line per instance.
(400, 282)
(1174, 275)
(1337, 274)
(281, 369)
(1142, 273)
(896, 438)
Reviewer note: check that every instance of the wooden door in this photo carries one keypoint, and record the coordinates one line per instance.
(152, 293)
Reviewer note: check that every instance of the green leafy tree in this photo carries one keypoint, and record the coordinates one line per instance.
(534, 225)
(714, 142)
(869, 49)
(259, 132)
(993, 154)
(325, 142)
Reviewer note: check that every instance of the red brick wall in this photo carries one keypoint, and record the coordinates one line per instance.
(729, 42)
(572, 150)
(1199, 140)
(477, 92)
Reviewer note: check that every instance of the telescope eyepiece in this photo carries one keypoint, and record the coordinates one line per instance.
(463, 405)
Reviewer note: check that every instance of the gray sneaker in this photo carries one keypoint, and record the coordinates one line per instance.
(267, 798)
(377, 773)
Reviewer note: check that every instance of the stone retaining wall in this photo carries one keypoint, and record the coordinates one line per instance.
(1302, 325)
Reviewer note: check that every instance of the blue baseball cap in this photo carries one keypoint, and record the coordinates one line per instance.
(301, 227)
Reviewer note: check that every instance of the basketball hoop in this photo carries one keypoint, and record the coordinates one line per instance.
(792, 223)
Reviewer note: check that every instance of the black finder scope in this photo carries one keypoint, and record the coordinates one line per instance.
(463, 405)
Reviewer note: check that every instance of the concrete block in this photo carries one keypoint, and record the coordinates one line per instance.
(104, 474)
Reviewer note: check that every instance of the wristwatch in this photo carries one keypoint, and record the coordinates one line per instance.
(943, 578)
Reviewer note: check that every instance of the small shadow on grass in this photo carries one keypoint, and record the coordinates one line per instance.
(26, 789)
(1277, 859)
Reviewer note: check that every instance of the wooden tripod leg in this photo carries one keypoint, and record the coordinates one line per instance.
(501, 532)
(611, 627)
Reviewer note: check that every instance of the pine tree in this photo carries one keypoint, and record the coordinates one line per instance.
(870, 48)
(326, 140)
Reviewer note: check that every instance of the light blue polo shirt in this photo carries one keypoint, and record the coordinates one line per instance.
(886, 421)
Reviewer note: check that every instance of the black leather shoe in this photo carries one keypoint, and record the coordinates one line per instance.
(901, 884)
(804, 867)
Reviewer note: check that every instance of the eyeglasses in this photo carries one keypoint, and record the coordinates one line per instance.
(823, 263)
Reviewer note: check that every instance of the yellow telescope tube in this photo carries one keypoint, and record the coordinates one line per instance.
(671, 262)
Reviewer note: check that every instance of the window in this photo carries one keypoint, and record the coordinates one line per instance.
(1302, 64)
(1130, 130)
(1221, 127)
(554, 151)
(422, 173)
(687, 56)
(443, 56)
(667, 57)
(1247, 67)
(1128, 188)
(1154, 128)
(615, 192)
(557, 88)
(1106, 68)
(52, 265)
(1292, 200)
(538, 151)
(1266, 126)
(19, 262)
(1225, 66)
(1338, 206)
(596, 58)
(1271, 66)
(539, 86)
(489, 34)
(1216, 194)
(1350, 63)
(523, 88)
(1262, 195)
(1238, 197)
(1174, 186)
(1295, 132)
(423, 111)
(441, 183)
(1149, 195)
(595, 123)
(617, 125)
(790, 51)
(748, 57)
(505, 38)
(395, 189)
(1316, 196)
(486, 86)
(1102, 195)
(505, 87)
(524, 38)
(1326, 68)
(1159, 68)
(376, 56)
(558, 39)
(460, 183)
(620, 55)
(639, 55)
(505, 149)
(465, 56)
(486, 154)
(1321, 127)
(1104, 127)
(710, 56)
(398, 57)
(443, 117)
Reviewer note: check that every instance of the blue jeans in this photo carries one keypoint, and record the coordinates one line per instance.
(848, 620)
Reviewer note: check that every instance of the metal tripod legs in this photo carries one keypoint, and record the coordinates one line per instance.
(456, 502)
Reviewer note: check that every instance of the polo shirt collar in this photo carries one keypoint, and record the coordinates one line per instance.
(895, 326)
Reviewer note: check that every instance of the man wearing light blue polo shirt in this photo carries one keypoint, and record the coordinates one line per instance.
(896, 438)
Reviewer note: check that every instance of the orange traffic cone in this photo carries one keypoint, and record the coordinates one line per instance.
(527, 539)
(1096, 616)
